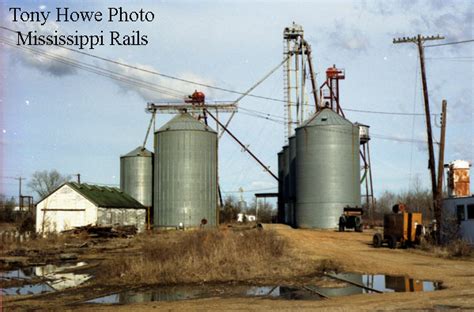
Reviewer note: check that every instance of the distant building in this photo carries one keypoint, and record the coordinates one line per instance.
(242, 217)
(463, 210)
(460, 203)
(74, 204)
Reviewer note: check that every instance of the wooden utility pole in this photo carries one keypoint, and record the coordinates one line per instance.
(419, 40)
(442, 140)
(19, 191)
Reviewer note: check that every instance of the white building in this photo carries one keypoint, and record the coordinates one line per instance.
(74, 204)
(459, 206)
(241, 217)
(462, 209)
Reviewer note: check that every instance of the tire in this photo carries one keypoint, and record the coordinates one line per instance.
(392, 242)
(359, 228)
(377, 240)
(342, 223)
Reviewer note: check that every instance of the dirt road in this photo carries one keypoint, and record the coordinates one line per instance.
(355, 254)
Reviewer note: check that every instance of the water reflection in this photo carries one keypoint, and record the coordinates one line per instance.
(355, 284)
(55, 278)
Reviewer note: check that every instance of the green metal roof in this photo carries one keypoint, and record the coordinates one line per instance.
(326, 117)
(106, 197)
(139, 151)
(184, 121)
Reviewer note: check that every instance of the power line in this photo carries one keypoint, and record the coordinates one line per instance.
(144, 84)
(7, 177)
(99, 71)
(385, 113)
(448, 43)
(157, 73)
(449, 57)
(249, 191)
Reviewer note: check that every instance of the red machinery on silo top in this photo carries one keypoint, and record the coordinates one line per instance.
(197, 97)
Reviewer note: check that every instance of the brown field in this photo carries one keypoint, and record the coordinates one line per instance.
(305, 251)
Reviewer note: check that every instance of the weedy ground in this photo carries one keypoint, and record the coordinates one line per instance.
(206, 256)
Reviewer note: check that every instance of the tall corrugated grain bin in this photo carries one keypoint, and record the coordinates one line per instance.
(136, 175)
(292, 180)
(185, 174)
(327, 169)
(286, 184)
(281, 203)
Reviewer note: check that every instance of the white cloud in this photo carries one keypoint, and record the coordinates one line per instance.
(153, 87)
(46, 64)
(348, 38)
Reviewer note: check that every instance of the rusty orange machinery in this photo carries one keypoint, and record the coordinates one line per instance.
(400, 228)
(403, 284)
(197, 97)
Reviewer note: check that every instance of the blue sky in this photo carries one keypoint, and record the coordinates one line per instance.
(57, 117)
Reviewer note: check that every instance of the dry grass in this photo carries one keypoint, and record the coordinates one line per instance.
(41, 243)
(205, 256)
(455, 249)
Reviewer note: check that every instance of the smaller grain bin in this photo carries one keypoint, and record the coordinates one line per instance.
(136, 175)
(185, 186)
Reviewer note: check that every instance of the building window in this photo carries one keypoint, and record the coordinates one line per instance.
(470, 211)
(460, 213)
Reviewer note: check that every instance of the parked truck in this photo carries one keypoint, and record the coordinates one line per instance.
(351, 218)
(400, 228)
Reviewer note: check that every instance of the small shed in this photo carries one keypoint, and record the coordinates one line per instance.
(73, 204)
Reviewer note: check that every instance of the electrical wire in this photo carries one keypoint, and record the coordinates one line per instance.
(96, 70)
(263, 113)
(249, 191)
(154, 87)
(448, 43)
(7, 177)
(415, 93)
(99, 71)
(157, 73)
(385, 113)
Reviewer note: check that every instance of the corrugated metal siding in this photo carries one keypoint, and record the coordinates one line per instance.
(281, 203)
(292, 180)
(136, 176)
(286, 184)
(185, 174)
(327, 170)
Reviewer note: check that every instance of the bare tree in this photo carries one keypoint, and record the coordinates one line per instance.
(265, 211)
(6, 208)
(230, 210)
(44, 182)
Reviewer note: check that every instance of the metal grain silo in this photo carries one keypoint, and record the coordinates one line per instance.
(286, 184)
(136, 175)
(281, 177)
(292, 179)
(327, 169)
(185, 173)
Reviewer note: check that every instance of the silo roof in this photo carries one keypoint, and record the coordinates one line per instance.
(139, 151)
(185, 121)
(326, 117)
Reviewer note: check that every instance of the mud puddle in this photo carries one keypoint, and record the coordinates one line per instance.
(42, 279)
(348, 284)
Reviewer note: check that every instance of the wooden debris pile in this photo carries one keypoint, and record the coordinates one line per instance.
(122, 231)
